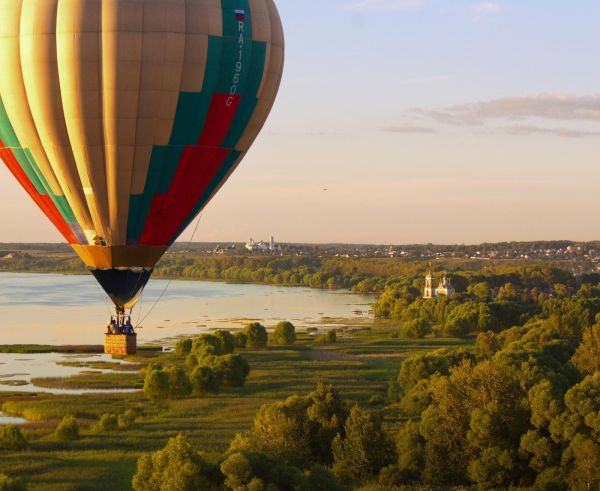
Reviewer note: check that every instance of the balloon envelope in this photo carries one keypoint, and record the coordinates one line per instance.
(123, 118)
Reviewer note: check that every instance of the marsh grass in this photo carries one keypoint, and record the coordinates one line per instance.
(104, 365)
(92, 380)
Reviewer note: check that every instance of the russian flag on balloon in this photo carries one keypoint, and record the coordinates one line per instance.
(240, 15)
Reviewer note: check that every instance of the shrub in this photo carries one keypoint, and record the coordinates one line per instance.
(227, 341)
(179, 383)
(127, 419)
(107, 422)
(11, 483)
(330, 337)
(68, 429)
(204, 380)
(376, 400)
(11, 438)
(285, 334)
(183, 347)
(256, 335)
(156, 385)
(232, 370)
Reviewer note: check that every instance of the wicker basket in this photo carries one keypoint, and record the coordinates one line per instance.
(120, 344)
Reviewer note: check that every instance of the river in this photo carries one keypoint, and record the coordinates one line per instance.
(64, 309)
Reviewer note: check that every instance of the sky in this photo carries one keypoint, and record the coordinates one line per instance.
(413, 121)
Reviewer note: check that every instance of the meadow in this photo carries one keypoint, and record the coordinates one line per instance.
(359, 366)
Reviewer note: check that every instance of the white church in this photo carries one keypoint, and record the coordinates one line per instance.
(443, 289)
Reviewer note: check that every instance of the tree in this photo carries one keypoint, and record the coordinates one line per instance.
(298, 431)
(585, 472)
(410, 446)
(508, 292)
(68, 429)
(284, 334)
(227, 341)
(320, 479)
(183, 347)
(364, 450)
(423, 365)
(177, 467)
(204, 380)
(481, 291)
(240, 339)
(587, 356)
(179, 383)
(232, 370)
(156, 385)
(237, 471)
(11, 438)
(327, 413)
(280, 432)
(256, 335)
(416, 328)
(486, 345)
(207, 344)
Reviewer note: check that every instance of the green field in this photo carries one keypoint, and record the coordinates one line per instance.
(359, 366)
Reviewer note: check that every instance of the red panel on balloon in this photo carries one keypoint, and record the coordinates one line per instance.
(43, 201)
(218, 121)
(168, 212)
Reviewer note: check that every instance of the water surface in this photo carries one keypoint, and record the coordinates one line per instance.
(62, 309)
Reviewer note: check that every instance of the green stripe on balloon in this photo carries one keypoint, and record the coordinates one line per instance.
(250, 100)
(29, 166)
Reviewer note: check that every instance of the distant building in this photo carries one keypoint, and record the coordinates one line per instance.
(262, 246)
(429, 286)
(443, 289)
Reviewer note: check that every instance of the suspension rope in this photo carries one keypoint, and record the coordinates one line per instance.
(170, 281)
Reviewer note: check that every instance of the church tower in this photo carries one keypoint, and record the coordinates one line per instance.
(429, 286)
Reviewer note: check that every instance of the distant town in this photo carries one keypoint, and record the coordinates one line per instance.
(583, 252)
(580, 252)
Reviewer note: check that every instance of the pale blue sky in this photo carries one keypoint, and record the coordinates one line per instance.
(425, 120)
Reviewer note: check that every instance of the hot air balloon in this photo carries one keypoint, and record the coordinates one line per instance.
(122, 118)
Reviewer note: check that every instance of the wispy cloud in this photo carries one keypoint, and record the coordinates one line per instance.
(546, 106)
(525, 130)
(552, 114)
(382, 5)
(407, 128)
(428, 80)
(485, 10)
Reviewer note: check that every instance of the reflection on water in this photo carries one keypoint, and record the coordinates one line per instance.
(57, 309)
(21, 370)
(11, 420)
